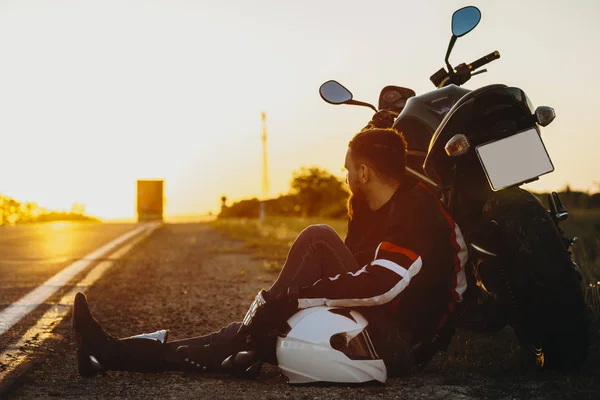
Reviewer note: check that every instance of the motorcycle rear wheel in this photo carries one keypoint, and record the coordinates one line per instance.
(551, 319)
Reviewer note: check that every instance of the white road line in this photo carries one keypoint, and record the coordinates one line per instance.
(16, 353)
(19, 309)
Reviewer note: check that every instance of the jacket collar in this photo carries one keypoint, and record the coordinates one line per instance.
(407, 184)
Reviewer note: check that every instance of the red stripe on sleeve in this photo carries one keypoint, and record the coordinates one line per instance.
(393, 248)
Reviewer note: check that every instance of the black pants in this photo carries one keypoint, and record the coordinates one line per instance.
(318, 252)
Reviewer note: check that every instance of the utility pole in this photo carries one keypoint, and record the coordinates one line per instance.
(265, 172)
(265, 168)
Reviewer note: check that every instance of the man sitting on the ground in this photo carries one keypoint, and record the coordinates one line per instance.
(401, 265)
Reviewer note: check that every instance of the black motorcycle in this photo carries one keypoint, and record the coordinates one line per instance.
(475, 149)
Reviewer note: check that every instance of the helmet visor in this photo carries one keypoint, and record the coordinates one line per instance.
(360, 347)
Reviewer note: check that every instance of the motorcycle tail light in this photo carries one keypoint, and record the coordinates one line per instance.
(457, 146)
(544, 115)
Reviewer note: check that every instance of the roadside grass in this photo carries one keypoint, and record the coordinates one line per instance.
(585, 225)
(270, 241)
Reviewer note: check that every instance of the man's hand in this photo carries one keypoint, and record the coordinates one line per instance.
(268, 315)
(266, 319)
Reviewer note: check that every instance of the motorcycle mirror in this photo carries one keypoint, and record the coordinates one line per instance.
(334, 93)
(465, 20)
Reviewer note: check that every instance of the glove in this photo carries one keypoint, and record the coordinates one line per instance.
(268, 315)
(265, 320)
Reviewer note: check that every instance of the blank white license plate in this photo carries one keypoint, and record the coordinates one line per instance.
(515, 159)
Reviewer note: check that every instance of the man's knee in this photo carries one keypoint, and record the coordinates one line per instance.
(319, 232)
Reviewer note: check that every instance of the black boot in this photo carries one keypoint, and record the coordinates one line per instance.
(220, 352)
(98, 351)
(215, 357)
(203, 353)
(240, 348)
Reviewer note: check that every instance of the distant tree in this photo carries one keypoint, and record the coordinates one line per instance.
(594, 201)
(15, 212)
(29, 212)
(78, 209)
(287, 205)
(242, 209)
(10, 210)
(313, 192)
(319, 192)
(573, 199)
(31, 208)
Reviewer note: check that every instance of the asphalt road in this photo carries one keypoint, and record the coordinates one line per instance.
(31, 254)
(192, 280)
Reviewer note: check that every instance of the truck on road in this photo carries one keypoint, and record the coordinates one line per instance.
(150, 200)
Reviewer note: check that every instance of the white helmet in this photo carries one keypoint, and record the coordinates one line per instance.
(329, 344)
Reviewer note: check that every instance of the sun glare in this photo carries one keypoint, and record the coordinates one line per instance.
(58, 242)
(58, 226)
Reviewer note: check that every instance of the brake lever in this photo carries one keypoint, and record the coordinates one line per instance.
(479, 72)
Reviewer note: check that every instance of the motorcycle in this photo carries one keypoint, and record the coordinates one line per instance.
(475, 149)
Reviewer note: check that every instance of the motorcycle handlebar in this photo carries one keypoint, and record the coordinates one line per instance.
(484, 60)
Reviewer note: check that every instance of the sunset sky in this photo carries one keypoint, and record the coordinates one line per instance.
(97, 94)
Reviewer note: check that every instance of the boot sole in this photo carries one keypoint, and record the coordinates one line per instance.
(84, 364)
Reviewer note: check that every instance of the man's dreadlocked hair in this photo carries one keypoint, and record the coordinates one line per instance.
(384, 150)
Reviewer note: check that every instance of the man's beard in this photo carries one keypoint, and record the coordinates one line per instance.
(357, 205)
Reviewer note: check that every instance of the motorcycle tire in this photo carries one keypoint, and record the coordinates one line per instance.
(551, 319)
